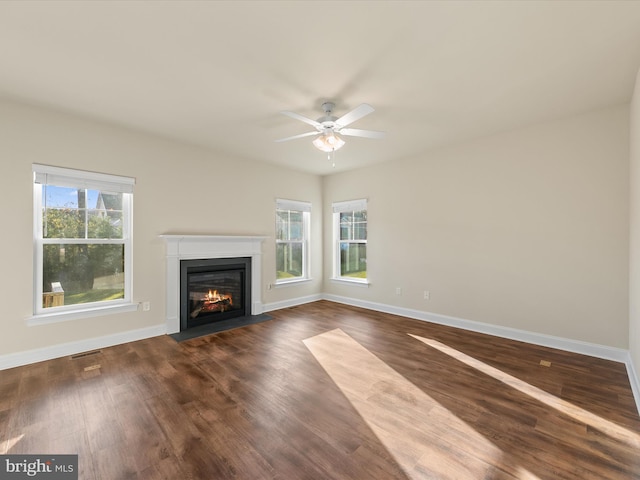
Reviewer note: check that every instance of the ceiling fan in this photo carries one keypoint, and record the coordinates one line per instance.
(328, 127)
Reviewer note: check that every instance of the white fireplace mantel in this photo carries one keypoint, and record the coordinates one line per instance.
(188, 247)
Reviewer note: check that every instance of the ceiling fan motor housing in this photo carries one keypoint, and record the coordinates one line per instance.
(328, 120)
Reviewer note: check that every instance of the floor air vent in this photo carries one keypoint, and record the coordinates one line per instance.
(85, 354)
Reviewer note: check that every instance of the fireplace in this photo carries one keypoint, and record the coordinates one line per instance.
(201, 247)
(214, 289)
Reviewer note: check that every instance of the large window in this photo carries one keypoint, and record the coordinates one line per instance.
(82, 235)
(350, 240)
(292, 241)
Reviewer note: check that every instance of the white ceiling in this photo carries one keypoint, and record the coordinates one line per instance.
(218, 73)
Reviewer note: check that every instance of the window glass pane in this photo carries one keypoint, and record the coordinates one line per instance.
(353, 225)
(62, 223)
(105, 215)
(288, 260)
(79, 213)
(296, 231)
(360, 225)
(346, 225)
(75, 274)
(360, 216)
(282, 221)
(289, 225)
(360, 231)
(295, 217)
(353, 260)
(104, 226)
(60, 197)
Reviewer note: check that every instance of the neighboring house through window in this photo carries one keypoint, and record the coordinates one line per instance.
(292, 240)
(83, 243)
(350, 240)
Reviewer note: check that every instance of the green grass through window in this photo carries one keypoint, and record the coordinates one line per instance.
(360, 274)
(98, 295)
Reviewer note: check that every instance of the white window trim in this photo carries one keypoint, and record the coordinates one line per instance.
(338, 207)
(56, 317)
(358, 282)
(305, 208)
(282, 204)
(43, 174)
(360, 204)
(291, 282)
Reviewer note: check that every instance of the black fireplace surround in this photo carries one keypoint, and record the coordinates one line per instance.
(214, 289)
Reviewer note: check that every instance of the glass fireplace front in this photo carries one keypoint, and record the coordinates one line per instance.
(213, 290)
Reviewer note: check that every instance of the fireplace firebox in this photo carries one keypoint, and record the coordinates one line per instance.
(214, 289)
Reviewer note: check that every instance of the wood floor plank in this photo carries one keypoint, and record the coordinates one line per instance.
(328, 391)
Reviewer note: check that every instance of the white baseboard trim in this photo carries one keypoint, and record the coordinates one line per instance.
(28, 357)
(576, 346)
(62, 350)
(600, 351)
(293, 302)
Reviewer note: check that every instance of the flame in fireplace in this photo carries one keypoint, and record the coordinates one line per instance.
(215, 297)
(210, 302)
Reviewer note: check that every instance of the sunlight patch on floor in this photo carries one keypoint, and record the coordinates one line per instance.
(422, 436)
(581, 415)
(9, 444)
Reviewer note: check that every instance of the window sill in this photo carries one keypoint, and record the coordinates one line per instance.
(355, 282)
(291, 283)
(56, 317)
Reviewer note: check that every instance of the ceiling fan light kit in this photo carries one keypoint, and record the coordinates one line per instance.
(328, 142)
(328, 127)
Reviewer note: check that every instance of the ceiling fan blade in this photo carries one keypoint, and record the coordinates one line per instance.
(355, 114)
(354, 132)
(296, 136)
(303, 119)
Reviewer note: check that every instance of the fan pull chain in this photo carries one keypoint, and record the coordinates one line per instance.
(332, 157)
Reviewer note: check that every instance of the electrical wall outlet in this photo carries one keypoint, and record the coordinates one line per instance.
(427, 295)
(398, 291)
(146, 306)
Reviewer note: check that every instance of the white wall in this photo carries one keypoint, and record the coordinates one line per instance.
(634, 262)
(527, 229)
(179, 189)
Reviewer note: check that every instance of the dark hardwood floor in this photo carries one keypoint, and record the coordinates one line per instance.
(327, 391)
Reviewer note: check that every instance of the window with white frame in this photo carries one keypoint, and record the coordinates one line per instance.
(292, 240)
(82, 240)
(350, 240)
